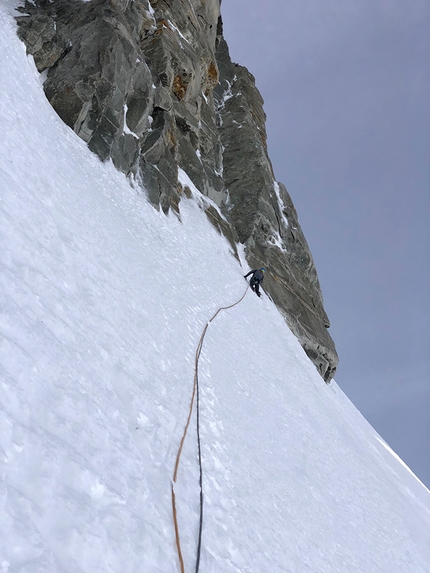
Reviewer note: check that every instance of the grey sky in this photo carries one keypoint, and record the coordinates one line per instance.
(346, 86)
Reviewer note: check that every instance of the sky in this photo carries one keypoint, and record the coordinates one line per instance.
(99, 327)
(346, 86)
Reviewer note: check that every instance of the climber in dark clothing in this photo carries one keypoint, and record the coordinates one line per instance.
(256, 279)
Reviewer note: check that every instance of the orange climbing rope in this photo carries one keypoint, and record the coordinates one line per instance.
(178, 455)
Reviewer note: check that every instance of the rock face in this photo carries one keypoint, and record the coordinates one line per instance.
(150, 84)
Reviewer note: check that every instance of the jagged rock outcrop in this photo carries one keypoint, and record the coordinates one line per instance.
(150, 84)
(263, 213)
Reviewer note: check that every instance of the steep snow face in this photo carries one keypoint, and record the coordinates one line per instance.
(103, 301)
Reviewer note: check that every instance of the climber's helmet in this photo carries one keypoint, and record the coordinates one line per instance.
(263, 269)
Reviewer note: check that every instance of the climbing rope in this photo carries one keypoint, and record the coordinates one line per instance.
(195, 396)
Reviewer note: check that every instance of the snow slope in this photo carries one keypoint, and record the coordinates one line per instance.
(102, 303)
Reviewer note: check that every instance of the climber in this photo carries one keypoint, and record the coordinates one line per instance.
(256, 279)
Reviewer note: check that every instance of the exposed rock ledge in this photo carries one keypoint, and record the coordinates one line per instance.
(150, 84)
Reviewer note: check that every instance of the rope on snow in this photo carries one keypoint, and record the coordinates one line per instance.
(195, 395)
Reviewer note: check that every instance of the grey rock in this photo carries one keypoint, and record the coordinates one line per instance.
(264, 216)
(152, 87)
(125, 153)
(163, 98)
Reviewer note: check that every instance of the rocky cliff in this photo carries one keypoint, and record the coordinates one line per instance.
(150, 85)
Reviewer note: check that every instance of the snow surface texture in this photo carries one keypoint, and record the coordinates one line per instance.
(103, 301)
